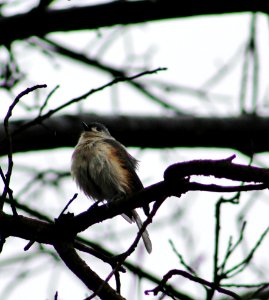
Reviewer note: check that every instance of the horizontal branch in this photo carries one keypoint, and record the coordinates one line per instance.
(62, 233)
(114, 13)
(245, 133)
(223, 168)
(173, 185)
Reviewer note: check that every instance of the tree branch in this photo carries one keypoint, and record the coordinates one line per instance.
(114, 13)
(63, 232)
(79, 267)
(187, 275)
(45, 232)
(245, 133)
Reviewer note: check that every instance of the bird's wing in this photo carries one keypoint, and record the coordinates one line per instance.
(127, 162)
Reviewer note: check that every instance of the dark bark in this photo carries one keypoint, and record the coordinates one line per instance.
(245, 133)
(40, 22)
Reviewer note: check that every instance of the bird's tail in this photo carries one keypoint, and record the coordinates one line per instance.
(145, 235)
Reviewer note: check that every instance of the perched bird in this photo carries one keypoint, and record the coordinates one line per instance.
(104, 170)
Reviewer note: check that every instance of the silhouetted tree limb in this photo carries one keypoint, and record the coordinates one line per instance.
(113, 13)
(246, 134)
(173, 185)
(142, 88)
(63, 232)
(189, 276)
(82, 270)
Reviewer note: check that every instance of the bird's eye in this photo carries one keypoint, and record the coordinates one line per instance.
(96, 129)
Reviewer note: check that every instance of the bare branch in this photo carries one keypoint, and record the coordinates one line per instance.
(40, 118)
(187, 275)
(113, 71)
(122, 257)
(245, 262)
(224, 168)
(246, 133)
(7, 190)
(79, 267)
(116, 12)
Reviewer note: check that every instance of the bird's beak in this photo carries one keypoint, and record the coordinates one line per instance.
(85, 126)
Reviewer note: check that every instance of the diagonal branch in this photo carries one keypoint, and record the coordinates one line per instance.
(113, 71)
(40, 118)
(79, 267)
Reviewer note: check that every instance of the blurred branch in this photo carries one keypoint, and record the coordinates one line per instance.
(44, 4)
(181, 259)
(113, 71)
(202, 93)
(113, 13)
(41, 118)
(246, 134)
(10, 73)
(250, 58)
(224, 70)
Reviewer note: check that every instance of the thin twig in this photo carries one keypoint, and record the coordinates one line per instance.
(59, 49)
(246, 285)
(231, 248)
(218, 276)
(47, 100)
(255, 62)
(39, 119)
(68, 204)
(187, 275)
(121, 258)
(181, 259)
(244, 263)
(259, 291)
(7, 190)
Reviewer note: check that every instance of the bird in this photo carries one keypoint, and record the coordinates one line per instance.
(105, 171)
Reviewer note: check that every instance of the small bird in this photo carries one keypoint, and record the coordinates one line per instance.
(104, 170)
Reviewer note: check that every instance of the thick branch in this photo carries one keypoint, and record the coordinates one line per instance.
(79, 267)
(245, 133)
(114, 13)
(45, 232)
(218, 168)
(175, 185)
(27, 228)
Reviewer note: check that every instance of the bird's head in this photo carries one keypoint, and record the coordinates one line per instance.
(95, 129)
